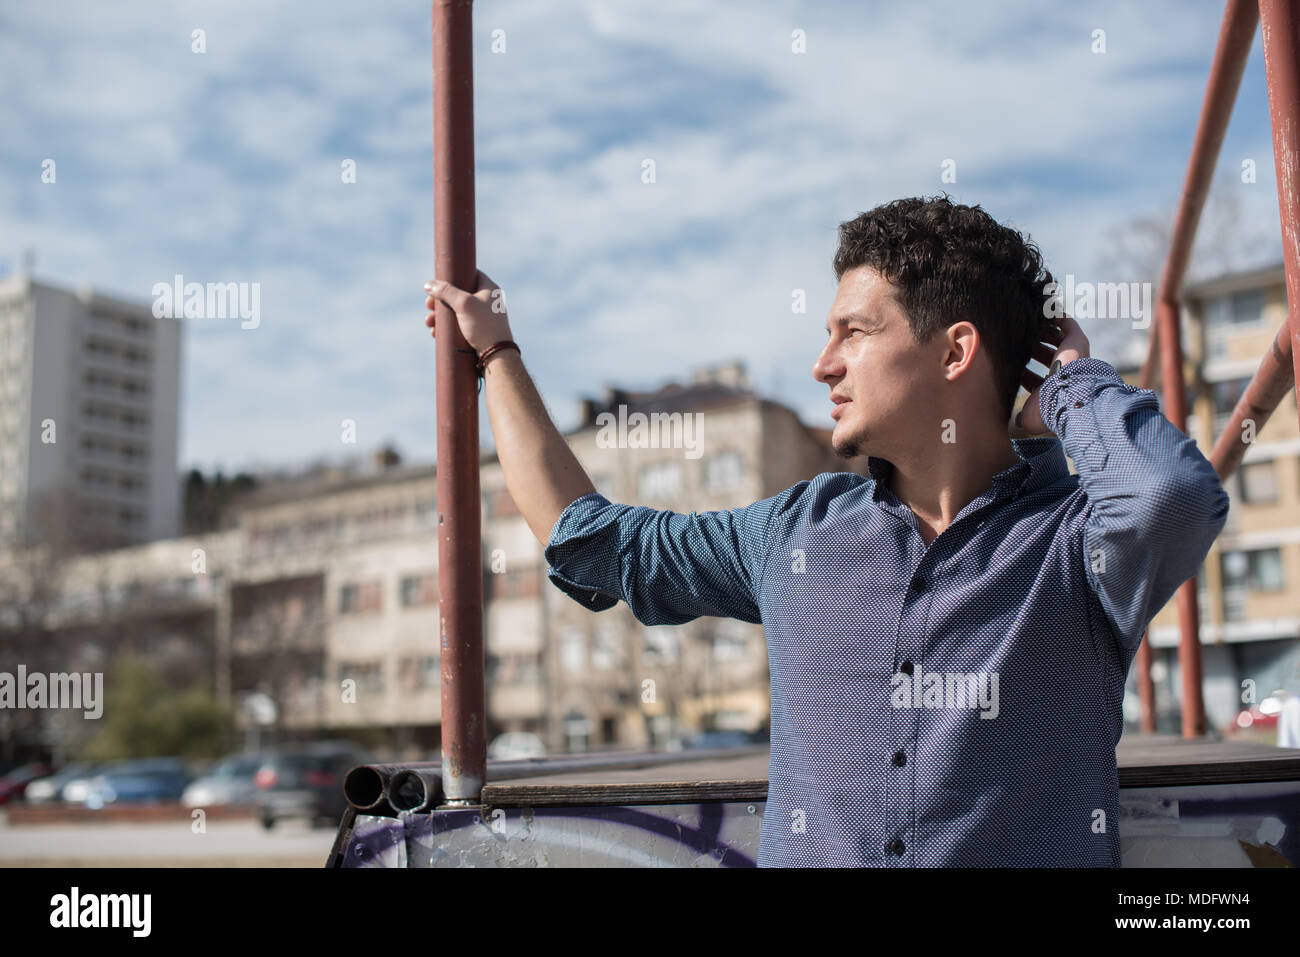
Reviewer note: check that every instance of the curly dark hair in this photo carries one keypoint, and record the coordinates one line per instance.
(950, 263)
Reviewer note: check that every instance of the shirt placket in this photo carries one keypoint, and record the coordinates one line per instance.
(912, 636)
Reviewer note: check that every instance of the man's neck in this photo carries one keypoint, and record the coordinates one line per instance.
(938, 485)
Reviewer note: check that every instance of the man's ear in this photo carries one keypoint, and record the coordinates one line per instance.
(963, 341)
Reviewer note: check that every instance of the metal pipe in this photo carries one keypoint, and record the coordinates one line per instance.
(416, 789)
(1272, 380)
(1235, 37)
(365, 787)
(1280, 25)
(460, 603)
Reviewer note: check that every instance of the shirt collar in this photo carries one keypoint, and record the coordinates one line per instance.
(1042, 462)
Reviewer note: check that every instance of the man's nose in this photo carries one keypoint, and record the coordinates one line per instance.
(824, 366)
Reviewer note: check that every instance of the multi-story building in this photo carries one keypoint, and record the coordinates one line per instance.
(89, 399)
(1249, 584)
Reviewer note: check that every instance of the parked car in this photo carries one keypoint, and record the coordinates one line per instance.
(50, 789)
(516, 744)
(718, 739)
(229, 782)
(306, 782)
(138, 781)
(14, 784)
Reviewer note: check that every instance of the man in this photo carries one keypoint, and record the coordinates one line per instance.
(948, 639)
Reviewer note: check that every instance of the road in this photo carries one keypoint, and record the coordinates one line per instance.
(236, 843)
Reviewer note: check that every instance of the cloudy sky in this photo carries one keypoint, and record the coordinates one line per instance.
(225, 166)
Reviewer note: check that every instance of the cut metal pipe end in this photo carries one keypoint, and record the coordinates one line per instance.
(415, 789)
(366, 787)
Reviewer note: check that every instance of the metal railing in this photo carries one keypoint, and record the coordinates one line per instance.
(1280, 369)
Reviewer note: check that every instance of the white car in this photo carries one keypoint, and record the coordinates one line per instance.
(516, 744)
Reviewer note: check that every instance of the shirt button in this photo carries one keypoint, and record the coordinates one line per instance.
(900, 759)
(1078, 405)
(895, 846)
(907, 668)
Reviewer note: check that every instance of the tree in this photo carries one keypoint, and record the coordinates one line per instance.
(1136, 250)
(143, 717)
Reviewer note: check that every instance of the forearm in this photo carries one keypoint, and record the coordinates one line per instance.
(541, 471)
(1155, 502)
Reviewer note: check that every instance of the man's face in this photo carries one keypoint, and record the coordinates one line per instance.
(871, 360)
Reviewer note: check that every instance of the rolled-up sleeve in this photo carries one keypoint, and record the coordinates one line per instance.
(1155, 503)
(669, 568)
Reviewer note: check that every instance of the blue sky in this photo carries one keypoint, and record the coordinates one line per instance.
(225, 166)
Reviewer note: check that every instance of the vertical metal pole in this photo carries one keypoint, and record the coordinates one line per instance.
(460, 585)
(1146, 687)
(1280, 25)
(1189, 614)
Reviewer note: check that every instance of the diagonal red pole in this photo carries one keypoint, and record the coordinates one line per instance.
(460, 581)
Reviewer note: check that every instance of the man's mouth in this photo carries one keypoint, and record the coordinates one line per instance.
(839, 406)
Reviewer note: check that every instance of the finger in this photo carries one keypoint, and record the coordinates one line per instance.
(429, 320)
(456, 298)
(1068, 326)
(431, 303)
(1044, 353)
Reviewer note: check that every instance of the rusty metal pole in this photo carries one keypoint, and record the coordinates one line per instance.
(460, 579)
(1189, 613)
(1146, 687)
(1235, 36)
(1280, 25)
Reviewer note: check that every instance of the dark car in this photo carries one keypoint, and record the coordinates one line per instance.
(14, 784)
(138, 781)
(306, 782)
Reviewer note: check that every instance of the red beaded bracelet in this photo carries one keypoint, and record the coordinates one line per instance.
(503, 344)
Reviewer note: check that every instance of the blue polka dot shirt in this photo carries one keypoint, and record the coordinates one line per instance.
(951, 705)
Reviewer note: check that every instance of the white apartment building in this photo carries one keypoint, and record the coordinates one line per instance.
(89, 416)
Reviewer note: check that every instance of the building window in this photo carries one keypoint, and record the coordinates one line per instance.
(659, 646)
(418, 673)
(1237, 308)
(1257, 570)
(573, 650)
(661, 481)
(1228, 393)
(368, 675)
(514, 583)
(419, 590)
(500, 504)
(360, 598)
(606, 651)
(577, 732)
(723, 472)
(1258, 483)
(730, 641)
